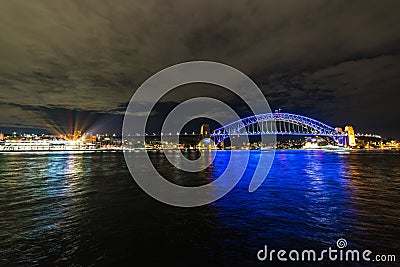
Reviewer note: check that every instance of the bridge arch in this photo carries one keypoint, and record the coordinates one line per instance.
(276, 123)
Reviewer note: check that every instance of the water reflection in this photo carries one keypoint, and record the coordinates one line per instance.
(306, 200)
(40, 201)
(65, 209)
(375, 182)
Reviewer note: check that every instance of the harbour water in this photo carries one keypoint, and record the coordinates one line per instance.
(85, 209)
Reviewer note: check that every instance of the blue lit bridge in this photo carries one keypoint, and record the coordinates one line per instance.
(278, 123)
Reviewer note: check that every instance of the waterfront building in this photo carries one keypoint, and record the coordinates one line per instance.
(350, 135)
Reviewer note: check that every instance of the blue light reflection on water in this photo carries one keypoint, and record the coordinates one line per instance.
(85, 208)
(303, 202)
(312, 198)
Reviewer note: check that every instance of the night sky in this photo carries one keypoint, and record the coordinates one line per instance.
(66, 63)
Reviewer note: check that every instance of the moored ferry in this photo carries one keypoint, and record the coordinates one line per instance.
(44, 145)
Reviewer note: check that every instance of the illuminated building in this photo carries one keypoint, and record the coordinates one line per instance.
(205, 130)
(350, 135)
(77, 135)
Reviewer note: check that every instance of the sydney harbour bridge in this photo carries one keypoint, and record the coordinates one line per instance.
(272, 123)
(282, 124)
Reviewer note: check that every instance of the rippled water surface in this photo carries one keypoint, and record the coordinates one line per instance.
(84, 208)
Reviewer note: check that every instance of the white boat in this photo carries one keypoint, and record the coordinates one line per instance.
(327, 148)
(310, 145)
(331, 148)
(44, 145)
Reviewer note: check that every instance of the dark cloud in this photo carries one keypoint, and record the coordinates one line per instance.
(337, 61)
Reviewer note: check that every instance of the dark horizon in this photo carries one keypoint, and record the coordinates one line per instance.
(76, 65)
